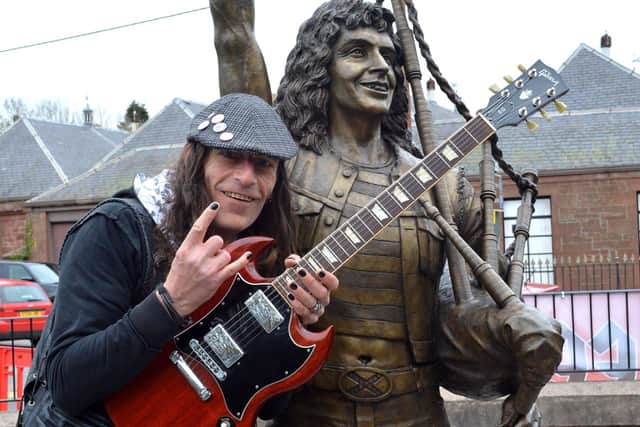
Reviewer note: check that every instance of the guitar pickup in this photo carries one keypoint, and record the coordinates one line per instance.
(265, 313)
(223, 345)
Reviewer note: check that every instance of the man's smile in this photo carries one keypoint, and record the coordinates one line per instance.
(238, 196)
(376, 86)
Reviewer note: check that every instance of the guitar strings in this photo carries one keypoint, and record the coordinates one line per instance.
(238, 321)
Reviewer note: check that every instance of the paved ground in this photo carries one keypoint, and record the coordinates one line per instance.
(595, 404)
(8, 419)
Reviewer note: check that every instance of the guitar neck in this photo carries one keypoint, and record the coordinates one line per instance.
(350, 237)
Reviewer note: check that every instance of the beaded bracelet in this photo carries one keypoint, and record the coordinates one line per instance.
(168, 303)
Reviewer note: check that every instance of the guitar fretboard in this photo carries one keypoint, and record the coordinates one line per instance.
(351, 236)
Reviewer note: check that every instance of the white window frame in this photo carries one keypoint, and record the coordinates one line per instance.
(538, 264)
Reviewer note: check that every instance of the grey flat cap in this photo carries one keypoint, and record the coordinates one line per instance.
(241, 122)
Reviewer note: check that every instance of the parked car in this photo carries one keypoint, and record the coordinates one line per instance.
(38, 272)
(23, 309)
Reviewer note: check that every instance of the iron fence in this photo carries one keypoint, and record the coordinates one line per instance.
(586, 273)
(601, 332)
(18, 336)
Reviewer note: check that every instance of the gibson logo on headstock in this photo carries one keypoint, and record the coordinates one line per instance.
(547, 75)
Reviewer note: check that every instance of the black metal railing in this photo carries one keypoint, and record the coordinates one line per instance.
(18, 336)
(601, 331)
(586, 273)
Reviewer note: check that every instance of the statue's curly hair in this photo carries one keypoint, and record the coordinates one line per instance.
(303, 96)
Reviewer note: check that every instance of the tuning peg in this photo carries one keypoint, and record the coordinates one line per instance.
(522, 68)
(532, 126)
(546, 116)
(508, 78)
(494, 88)
(560, 106)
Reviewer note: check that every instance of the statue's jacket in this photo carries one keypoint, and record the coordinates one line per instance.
(389, 323)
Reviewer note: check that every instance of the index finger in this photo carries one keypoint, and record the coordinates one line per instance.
(201, 225)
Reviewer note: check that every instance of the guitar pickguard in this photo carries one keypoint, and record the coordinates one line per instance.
(262, 358)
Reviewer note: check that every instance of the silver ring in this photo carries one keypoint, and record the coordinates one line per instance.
(316, 308)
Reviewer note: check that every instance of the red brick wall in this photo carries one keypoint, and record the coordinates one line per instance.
(12, 223)
(41, 245)
(592, 214)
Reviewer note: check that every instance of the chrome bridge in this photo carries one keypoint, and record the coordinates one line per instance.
(201, 390)
(206, 358)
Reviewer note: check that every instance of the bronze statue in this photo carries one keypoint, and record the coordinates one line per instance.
(344, 100)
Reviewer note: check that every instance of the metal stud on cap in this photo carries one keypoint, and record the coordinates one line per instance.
(218, 118)
(219, 127)
(203, 125)
(226, 136)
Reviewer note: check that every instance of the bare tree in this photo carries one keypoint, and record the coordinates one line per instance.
(52, 110)
(48, 109)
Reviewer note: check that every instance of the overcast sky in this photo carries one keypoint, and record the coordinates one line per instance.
(474, 42)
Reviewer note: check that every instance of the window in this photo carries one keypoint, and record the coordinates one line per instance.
(21, 293)
(638, 205)
(538, 253)
(14, 271)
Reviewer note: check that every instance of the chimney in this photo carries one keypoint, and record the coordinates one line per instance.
(135, 124)
(605, 44)
(88, 114)
(431, 90)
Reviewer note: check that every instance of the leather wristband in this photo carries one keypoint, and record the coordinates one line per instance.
(183, 322)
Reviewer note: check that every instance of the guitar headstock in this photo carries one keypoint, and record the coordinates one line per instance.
(536, 87)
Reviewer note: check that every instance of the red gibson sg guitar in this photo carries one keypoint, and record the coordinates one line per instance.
(245, 344)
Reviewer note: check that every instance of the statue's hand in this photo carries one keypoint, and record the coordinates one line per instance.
(512, 418)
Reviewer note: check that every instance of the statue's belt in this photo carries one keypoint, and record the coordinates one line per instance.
(368, 384)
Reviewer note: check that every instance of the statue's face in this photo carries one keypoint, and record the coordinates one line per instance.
(362, 78)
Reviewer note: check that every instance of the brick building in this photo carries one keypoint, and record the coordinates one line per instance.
(151, 148)
(36, 155)
(588, 161)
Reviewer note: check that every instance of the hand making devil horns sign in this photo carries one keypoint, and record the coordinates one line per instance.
(201, 266)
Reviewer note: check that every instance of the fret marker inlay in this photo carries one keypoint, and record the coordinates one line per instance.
(449, 153)
(400, 195)
(423, 175)
(351, 235)
(314, 264)
(379, 212)
(328, 254)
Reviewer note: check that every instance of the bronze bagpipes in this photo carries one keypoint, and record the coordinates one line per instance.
(468, 365)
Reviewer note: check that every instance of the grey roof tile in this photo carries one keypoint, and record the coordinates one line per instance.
(24, 169)
(155, 146)
(111, 176)
(167, 127)
(600, 131)
(76, 148)
(598, 82)
(36, 155)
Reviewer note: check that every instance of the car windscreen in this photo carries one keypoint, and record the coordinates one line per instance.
(43, 273)
(21, 293)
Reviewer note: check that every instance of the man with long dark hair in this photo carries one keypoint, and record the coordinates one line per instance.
(343, 97)
(137, 266)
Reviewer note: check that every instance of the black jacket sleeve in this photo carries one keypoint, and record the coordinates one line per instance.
(102, 333)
